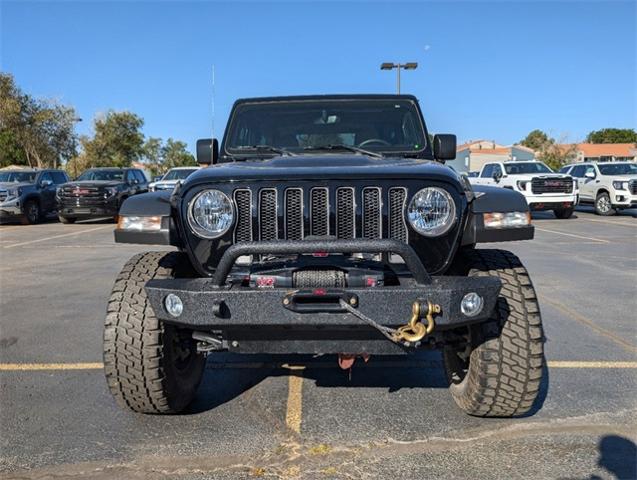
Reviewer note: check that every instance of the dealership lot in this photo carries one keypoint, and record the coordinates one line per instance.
(276, 417)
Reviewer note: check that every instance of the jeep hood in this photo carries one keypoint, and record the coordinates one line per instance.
(323, 166)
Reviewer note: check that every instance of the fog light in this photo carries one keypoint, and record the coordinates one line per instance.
(173, 305)
(471, 304)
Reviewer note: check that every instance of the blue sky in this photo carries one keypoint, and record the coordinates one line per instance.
(493, 70)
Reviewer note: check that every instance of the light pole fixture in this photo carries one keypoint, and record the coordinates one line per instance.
(398, 67)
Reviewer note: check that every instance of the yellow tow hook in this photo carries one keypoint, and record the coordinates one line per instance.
(415, 330)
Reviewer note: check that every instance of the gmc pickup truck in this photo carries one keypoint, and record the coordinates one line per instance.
(542, 188)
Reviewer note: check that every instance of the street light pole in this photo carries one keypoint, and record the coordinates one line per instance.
(398, 67)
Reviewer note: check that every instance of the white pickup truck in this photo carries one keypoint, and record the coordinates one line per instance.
(609, 186)
(543, 189)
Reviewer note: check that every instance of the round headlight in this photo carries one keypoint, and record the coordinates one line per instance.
(210, 214)
(432, 212)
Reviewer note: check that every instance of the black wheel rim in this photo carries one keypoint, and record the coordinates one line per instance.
(32, 212)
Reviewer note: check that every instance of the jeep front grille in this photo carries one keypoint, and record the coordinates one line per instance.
(343, 212)
(551, 185)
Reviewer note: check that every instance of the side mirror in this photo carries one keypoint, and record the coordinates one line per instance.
(444, 146)
(590, 175)
(157, 178)
(46, 183)
(497, 176)
(207, 151)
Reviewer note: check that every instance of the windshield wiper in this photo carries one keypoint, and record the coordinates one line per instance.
(349, 148)
(266, 148)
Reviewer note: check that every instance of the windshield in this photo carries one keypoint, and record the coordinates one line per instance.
(379, 125)
(180, 174)
(101, 175)
(18, 177)
(618, 169)
(520, 168)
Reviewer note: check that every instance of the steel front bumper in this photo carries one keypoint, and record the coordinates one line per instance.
(276, 320)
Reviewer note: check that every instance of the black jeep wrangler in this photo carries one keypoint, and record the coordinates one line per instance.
(325, 225)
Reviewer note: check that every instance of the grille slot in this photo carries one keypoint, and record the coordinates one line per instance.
(268, 229)
(372, 215)
(3, 195)
(345, 213)
(294, 214)
(243, 228)
(397, 226)
(551, 185)
(632, 186)
(319, 212)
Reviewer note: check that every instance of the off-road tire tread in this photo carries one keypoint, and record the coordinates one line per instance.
(133, 353)
(505, 371)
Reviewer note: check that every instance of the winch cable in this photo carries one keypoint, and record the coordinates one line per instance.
(389, 333)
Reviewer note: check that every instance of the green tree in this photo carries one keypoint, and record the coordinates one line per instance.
(117, 141)
(612, 135)
(153, 155)
(557, 155)
(536, 140)
(43, 130)
(175, 154)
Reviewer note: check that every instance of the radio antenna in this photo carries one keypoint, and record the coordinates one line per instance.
(213, 100)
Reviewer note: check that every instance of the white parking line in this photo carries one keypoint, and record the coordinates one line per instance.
(599, 240)
(44, 239)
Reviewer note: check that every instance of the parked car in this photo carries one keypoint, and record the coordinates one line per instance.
(171, 178)
(608, 186)
(337, 229)
(99, 192)
(542, 188)
(29, 195)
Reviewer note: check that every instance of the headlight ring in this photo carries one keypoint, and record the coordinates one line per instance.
(210, 214)
(432, 212)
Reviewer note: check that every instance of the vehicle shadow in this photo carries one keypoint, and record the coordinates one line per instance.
(629, 212)
(617, 456)
(228, 376)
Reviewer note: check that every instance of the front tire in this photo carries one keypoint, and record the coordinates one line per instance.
(150, 367)
(603, 205)
(32, 214)
(497, 370)
(563, 213)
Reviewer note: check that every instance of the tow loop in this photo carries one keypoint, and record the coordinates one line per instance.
(408, 335)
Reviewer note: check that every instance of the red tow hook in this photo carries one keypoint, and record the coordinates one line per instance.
(346, 360)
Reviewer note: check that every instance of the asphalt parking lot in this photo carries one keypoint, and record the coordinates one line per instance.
(274, 417)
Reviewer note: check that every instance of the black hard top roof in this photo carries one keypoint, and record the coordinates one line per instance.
(367, 96)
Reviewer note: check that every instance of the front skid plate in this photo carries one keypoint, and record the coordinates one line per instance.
(206, 307)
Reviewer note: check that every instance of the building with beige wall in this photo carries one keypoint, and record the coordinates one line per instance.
(472, 155)
(605, 152)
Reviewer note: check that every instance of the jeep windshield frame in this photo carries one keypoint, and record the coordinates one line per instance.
(383, 125)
